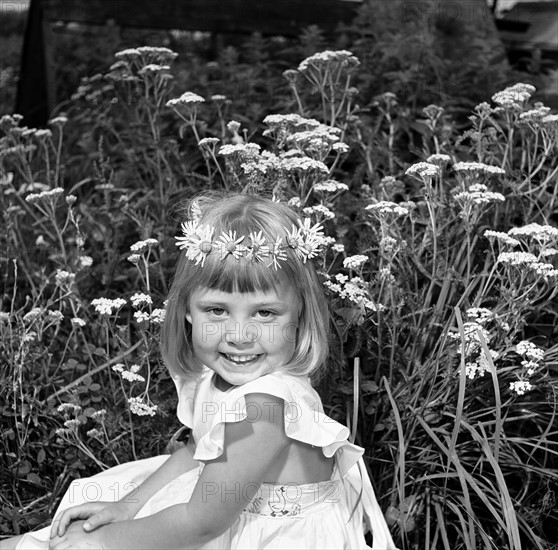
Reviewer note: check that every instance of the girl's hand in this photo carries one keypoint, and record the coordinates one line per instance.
(96, 514)
(77, 539)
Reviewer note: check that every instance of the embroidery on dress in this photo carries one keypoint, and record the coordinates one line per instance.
(254, 506)
(280, 506)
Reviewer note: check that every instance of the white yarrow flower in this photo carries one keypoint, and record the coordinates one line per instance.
(354, 262)
(186, 99)
(423, 169)
(387, 207)
(529, 350)
(105, 306)
(521, 386)
(501, 237)
(141, 316)
(477, 167)
(140, 408)
(140, 299)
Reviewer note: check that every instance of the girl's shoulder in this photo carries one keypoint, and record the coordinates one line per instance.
(291, 396)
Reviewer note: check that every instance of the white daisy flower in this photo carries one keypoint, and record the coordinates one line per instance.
(277, 253)
(258, 250)
(229, 244)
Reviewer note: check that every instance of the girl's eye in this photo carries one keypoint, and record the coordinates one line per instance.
(265, 313)
(217, 311)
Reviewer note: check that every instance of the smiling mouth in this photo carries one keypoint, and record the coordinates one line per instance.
(240, 359)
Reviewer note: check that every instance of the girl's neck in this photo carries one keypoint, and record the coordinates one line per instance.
(220, 384)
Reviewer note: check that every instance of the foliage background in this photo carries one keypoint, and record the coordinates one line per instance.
(127, 160)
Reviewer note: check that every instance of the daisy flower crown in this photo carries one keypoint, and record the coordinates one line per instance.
(198, 241)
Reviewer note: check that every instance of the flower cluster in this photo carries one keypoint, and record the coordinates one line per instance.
(157, 316)
(530, 261)
(532, 357)
(541, 235)
(54, 317)
(306, 135)
(386, 207)
(354, 262)
(480, 315)
(477, 167)
(535, 115)
(316, 142)
(45, 196)
(353, 289)
(320, 211)
(58, 121)
(478, 194)
(187, 100)
(438, 158)
(148, 54)
(99, 415)
(32, 315)
(501, 237)
(67, 408)
(304, 164)
(140, 299)
(329, 186)
(208, 143)
(140, 246)
(77, 322)
(129, 375)
(536, 231)
(106, 306)
(517, 258)
(520, 387)
(423, 170)
(328, 58)
(287, 122)
(529, 350)
(477, 326)
(481, 365)
(140, 408)
(306, 240)
(514, 96)
(245, 151)
(63, 277)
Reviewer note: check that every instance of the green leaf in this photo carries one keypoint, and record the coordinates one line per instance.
(41, 455)
(369, 386)
(34, 478)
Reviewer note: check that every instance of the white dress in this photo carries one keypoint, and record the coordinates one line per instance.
(330, 514)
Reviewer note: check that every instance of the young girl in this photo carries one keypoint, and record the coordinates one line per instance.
(245, 329)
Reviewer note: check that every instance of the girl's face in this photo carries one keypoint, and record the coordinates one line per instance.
(242, 336)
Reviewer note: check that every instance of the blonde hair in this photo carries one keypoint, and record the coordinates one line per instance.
(245, 214)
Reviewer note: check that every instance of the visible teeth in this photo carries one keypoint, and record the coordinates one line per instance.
(240, 358)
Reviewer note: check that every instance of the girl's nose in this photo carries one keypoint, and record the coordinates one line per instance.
(238, 333)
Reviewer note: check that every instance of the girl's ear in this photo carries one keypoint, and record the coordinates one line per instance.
(188, 318)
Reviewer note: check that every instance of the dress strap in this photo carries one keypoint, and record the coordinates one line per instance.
(374, 517)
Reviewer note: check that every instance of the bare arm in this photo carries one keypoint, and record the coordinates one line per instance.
(102, 513)
(180, 462)
(225, 487)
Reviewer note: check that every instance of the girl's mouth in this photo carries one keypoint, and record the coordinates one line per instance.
(241, 359)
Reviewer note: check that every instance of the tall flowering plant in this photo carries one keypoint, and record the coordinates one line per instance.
(454, 273)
